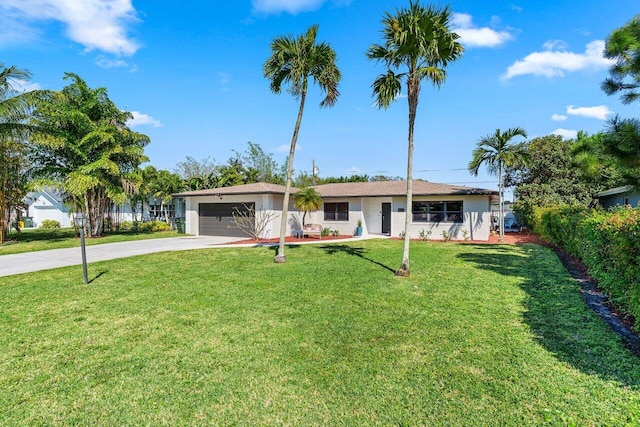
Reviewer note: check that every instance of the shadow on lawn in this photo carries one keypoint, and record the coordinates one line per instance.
(353, 251)
(556, 312)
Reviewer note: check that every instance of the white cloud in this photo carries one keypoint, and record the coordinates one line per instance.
(598, 112)
(103, 62)
(290, 6)
(25, 86)
(141, 119)
(566, 133)
(558, 118)
(95, 24)
(472, 36)
(555, 63)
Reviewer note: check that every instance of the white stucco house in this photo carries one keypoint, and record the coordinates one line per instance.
(380, 206)
(47, 204)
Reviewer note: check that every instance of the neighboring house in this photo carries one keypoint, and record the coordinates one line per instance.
(47, 204)
(380, 206)
(620, 196)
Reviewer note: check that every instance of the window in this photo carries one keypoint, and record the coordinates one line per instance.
(437, 211)
(336, 211)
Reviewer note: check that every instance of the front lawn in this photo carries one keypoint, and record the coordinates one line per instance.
(480, 335)
(40, 239)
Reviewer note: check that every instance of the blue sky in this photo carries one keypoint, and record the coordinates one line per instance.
(191, 73)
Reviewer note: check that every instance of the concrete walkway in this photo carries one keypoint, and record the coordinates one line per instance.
(55, 258)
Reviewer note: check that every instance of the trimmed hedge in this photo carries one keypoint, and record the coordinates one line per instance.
(608, 242)
(49, 223)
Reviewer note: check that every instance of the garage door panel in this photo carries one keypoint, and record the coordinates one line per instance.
(216, 219)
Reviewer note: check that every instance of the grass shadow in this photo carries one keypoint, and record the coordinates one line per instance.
(98, 276)
(353, 251)
(556, 313)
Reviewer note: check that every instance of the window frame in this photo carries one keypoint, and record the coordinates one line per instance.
(336, 214)
(436, 211)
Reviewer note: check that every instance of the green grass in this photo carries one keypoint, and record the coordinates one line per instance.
(479, 335)
(39, 239)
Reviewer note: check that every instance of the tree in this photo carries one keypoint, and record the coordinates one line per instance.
(496, 152)
(198, 174)
(419, 40)
(87, 151)
(307, 199)
(293, 61)
(623, 46)
(162, 184)
(15, 110)
(260, 166)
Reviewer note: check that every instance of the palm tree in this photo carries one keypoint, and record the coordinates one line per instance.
(293, 61)
(623, 46)
(15, 109)
(417, 39)
(307, 199)
(497, 153)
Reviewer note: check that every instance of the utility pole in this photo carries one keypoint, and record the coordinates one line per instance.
(314, 171)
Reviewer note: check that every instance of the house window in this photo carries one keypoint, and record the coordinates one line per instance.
(437, 211)
(336, 211)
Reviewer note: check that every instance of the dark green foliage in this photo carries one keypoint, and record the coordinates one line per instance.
(608, 242)
(553, 177)
(623, 46)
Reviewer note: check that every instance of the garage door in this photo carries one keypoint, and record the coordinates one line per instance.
(216, 219)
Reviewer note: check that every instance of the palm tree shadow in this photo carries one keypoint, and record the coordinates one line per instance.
(353, 251)
(576, 339)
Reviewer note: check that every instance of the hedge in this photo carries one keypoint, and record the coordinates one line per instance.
(608, 242)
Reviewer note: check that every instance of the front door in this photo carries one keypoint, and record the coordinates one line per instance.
(386, 218)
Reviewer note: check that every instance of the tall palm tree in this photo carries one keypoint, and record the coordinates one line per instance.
(307, 199)
(293, 61)
(418, 40)
(497, 152)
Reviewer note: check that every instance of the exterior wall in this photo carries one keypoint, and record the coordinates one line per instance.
(614, 200)
(476, 211)
(44, 207)
(372, 214)
(347, 228)
(268, 203)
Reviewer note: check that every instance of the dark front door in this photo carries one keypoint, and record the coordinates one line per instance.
(386, 218)
(216, 219)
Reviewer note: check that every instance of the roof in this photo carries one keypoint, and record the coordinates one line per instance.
(350, 189)
(617, 190)
(255, 188)
(396, 188)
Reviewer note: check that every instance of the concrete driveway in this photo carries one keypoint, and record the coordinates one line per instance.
(44, 260)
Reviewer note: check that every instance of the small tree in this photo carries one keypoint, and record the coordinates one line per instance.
(253, 223)
(496, 153)
(307, 199)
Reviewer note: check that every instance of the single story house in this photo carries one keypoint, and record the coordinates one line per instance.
(381, 207)
(620, 196)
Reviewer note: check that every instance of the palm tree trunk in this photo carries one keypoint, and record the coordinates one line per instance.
(413, 89)
(501, 207)
(280, 258)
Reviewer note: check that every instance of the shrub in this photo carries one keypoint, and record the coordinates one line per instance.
(608, 242)
(50, 223)
(152, 226)
(325, 232)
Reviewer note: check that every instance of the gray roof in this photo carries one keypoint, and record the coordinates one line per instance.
(255, 188)
(617, 190)
(396, 188)
(350, 189)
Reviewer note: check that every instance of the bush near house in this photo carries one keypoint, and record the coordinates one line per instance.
(154, 226)
(49, 223)
(608, 242)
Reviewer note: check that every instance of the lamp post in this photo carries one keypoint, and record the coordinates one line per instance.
(81, 222)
